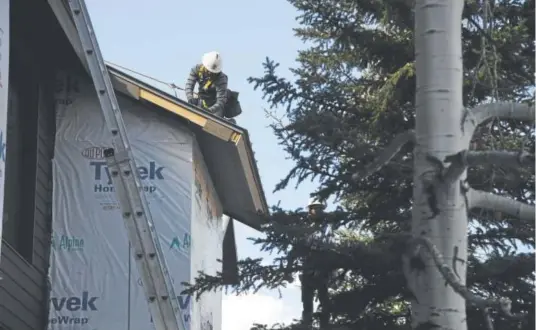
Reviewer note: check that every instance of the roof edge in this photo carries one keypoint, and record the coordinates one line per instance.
(210, 123)
(65, 20)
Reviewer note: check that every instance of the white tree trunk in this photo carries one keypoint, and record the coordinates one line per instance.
(439, 210)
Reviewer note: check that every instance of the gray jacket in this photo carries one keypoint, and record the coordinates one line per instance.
(212, 89)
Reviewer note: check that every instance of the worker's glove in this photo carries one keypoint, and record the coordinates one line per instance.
(193, 101)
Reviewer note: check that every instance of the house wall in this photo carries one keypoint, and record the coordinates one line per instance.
(91, 255)
(208, 230)
(183, 201)
(37, 47)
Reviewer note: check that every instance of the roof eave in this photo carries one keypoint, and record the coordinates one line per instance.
(209, 124)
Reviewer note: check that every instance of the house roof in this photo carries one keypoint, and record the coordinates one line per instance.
(226, 148)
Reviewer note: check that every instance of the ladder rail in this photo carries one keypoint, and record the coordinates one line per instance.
(150, 281)
(158, 287)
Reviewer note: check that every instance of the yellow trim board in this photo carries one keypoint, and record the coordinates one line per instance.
(210, 126)
(235, 137)
(163, 103)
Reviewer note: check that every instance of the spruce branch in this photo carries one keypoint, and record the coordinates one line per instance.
(328, 256)
(472, 118)
(463, 159)
(386, 154)
(488, 201)
(504, 305)
(254, 276)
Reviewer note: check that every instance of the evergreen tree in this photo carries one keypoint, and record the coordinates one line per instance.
(353, 93)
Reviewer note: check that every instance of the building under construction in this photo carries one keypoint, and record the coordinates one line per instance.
(66, 261)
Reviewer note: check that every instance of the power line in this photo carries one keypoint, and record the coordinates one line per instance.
(171, 85)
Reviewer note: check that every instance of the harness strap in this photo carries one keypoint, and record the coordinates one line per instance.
(201, 76)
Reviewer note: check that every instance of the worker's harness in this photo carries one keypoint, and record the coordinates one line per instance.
(231, 109)
(203, 77)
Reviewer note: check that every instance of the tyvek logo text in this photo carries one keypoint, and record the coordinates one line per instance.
(181, 245)
(2, 152)
(3, 78)
(93, 153)
(102, 173)
(66, 305)
(66, 86)
(2, 146)
(184, 305)
(67, 243)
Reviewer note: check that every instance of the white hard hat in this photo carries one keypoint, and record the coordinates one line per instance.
(315, 202)
(212, 62)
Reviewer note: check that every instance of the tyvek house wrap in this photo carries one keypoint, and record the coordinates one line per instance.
(208, 228)
(95, 283)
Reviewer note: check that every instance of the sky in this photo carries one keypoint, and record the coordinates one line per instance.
(164, 40)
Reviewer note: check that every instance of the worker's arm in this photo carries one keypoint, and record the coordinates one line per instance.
(190, 83)
(221, 95)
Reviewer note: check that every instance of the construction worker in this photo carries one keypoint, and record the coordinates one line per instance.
(213, 93)
(314, 280)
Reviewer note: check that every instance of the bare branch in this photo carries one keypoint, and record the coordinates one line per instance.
(501, 158)
(386, 154)
(488, 201)
(463, 159)
(502, 304)
(505, 110)
(457, 167)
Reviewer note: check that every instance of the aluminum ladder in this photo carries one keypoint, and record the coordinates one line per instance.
(155, 277)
